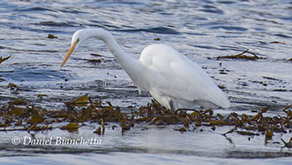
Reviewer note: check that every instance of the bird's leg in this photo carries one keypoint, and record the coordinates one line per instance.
(171, 105)
(185, 109)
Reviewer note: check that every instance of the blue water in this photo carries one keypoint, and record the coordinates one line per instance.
(202, 30)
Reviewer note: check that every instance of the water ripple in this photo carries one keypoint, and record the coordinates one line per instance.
(158, 30)
(202, 30)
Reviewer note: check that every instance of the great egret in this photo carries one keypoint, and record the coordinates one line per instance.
(171, 78)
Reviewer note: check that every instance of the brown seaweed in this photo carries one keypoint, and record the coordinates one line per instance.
(242, 55)
(29, 118)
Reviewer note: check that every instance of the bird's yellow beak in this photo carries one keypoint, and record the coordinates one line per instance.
(71, 49)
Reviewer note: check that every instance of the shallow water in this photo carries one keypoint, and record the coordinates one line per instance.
(202, 30)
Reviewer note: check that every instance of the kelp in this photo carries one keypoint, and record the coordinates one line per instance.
(19, 113)
(243, 55)
(52, 36)
(4, 59)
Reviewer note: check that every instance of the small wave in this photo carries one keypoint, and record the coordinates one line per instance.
(53, 23)
(28, 74)
(35, 8)
(158, 30)
(212, 9)
(283, 35)
(230, 28)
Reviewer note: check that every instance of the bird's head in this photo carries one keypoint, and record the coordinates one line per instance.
(77, 38)
(82, 35)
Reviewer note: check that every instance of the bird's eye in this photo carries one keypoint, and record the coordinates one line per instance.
(77, 40)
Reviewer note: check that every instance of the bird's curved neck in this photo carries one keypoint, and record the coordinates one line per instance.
(128, 63)
(110, 42)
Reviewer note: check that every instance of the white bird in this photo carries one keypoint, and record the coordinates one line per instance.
(171, 78)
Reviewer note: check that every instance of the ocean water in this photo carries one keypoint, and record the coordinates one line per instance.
(201, 30)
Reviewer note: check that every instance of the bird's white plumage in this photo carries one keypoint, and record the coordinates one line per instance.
(172, 79)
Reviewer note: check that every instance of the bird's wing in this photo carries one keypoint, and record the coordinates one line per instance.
(200, 86)
(157, 59)
(176, 76)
